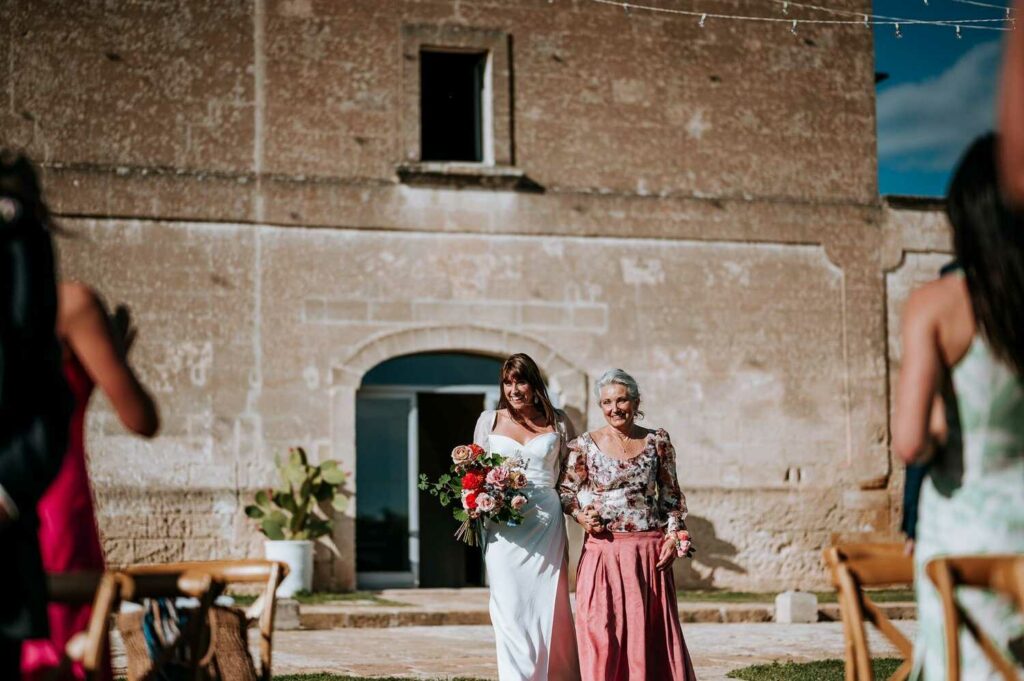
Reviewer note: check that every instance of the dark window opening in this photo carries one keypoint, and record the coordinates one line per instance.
(451, 106)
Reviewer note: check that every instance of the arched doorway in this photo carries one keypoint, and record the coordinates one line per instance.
(410, 412)
(567, 385)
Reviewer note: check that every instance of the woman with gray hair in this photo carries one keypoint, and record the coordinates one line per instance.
(627, 619)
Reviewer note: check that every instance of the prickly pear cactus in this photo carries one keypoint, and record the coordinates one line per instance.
(292, 510)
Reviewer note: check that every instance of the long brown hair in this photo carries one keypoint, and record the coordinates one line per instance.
(521, 366)
(988, 237)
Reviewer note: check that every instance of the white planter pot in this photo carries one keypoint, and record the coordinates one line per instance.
(298, 556)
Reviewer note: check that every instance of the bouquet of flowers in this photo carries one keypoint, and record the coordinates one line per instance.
(489, 487)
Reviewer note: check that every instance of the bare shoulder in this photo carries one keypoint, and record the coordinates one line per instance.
(75, 299)
(941, 309)
(74, 295)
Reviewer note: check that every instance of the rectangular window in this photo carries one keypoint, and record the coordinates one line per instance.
(453, 106)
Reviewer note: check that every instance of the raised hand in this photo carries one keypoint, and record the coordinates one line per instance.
(123, 329)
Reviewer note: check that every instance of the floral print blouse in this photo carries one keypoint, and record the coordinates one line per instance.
(633, 495)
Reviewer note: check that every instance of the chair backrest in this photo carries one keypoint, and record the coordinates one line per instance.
(89, 648)
(202, 586)
(1000, 573)
(269, 573)
(853, 567)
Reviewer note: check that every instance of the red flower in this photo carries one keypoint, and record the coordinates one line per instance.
(470, 500)
(473, 481)
(478, 451)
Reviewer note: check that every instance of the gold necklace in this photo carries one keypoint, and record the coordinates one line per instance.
(621, 439)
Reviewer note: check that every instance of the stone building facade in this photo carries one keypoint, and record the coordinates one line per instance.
(696, 205)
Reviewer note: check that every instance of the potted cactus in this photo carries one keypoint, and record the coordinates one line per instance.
(291, 517)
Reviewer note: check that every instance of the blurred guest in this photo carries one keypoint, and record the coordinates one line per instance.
(963, 339)
(916, 472)
(96, 346)
(34, 404)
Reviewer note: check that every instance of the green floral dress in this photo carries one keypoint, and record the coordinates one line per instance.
(973, 503)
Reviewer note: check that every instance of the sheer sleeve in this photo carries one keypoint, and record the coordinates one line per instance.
(483, 428)
(573, 477)
(671, 502)
(567, 433)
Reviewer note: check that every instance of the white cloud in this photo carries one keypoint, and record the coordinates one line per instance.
(928, 124)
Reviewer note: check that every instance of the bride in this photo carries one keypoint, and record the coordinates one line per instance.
(526, 565)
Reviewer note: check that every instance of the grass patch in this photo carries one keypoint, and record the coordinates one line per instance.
(321, 597)
(340, 677)
(824, 670)
(714, 596)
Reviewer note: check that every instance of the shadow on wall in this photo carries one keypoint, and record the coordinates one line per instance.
(713, 554)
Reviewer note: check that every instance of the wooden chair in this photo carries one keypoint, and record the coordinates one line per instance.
(201, 586)
(226, 572)
(1003, 574)
(853, 567)
(105, 591)
(91, 647)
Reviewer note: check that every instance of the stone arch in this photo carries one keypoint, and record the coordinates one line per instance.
(563, 376)
(570, 381)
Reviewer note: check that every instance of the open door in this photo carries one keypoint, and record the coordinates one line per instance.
(445, 420)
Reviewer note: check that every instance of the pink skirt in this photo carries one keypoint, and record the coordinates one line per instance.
(627, 620)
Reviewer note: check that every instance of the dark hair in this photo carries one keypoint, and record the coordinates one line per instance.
(988, 237)
(20, 181)
(521, 366)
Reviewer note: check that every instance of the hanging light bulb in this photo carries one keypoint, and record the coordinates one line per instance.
(792, 29)
(958, 36)
(703, 18)
(866, 25)
(785, 8)
(899, 34)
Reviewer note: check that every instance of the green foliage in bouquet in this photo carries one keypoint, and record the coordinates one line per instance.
(293, 510)
(447, 489)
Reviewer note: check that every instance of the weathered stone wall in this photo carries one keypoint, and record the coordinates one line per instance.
(708, 220)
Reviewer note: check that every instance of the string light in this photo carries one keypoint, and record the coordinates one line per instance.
(881, 18)
(872, 19)
(785, 8)
(898, 34)
(792, 29)
(958, 36)
(984, 4)
(703, 18)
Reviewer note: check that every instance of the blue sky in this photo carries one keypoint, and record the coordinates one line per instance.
(940, 93)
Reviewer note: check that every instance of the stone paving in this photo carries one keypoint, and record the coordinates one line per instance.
(446, 651)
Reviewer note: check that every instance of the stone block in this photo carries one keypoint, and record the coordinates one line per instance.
(286, 615)
(796, 607)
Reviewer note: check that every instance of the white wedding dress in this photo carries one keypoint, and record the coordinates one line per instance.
(527, 568)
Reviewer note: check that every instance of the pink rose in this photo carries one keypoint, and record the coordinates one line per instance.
(485, 502)
(683, 546)
(497, 476)
(464, 454)
(518, 501)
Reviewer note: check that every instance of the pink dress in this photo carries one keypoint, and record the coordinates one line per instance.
(68, 536)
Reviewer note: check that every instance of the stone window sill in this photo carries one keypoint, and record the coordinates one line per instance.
(455, 175)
